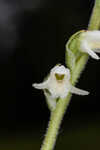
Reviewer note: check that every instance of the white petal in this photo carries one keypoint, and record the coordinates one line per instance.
(75, 90)
(85, 48)
(60, 69)
(93, 54)
(64, 94)
(97, 50)
(43, 85)
(92, 35)
(50, 101)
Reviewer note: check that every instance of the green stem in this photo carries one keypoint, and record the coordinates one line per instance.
(94, 23)
(62, 105)
(54, 124)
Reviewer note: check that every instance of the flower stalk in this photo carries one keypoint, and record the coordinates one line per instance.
(62, 104)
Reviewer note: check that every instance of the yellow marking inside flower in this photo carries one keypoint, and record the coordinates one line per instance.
(59, 77)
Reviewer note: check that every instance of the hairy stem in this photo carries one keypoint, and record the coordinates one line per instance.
(62, 105)
(54, 124)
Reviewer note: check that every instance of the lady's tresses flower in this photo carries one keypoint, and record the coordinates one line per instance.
(90, 43)
(58, 83)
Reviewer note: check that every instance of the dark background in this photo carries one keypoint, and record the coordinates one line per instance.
(33, 34)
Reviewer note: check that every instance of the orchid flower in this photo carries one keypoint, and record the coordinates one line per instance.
(90, 43)
(58, 83)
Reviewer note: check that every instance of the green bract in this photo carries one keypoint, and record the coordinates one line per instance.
(75, 59)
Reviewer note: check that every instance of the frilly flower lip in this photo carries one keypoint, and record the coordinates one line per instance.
(90, 43)
(58, 83)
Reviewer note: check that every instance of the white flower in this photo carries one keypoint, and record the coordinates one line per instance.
(90, 43)
(58, 83)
